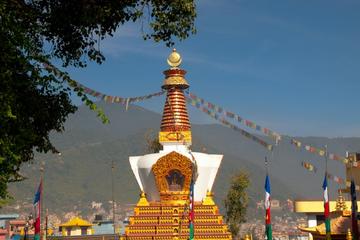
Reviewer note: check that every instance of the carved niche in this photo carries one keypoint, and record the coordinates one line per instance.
(173, 173)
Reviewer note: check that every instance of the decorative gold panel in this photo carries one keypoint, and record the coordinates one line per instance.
(175, 80)
(173, 168)
(180, 136)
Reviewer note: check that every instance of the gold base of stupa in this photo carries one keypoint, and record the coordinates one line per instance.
(159, 221)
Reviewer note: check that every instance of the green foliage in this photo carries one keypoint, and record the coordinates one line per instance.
(152, 142)
(154, 146)
(236, 201)
(80, 92)
(4, 202)
(35, 98)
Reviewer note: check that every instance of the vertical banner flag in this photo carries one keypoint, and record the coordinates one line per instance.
(354, 209)
(37, 209)
(191, 211)
(326, 209)
(268, 230)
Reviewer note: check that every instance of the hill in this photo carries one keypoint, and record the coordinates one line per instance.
(82, 173)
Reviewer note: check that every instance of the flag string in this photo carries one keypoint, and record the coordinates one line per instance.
(220, 114)
(226, 123)
(311, 168)
(216, 112)
(322, 153)
(107, 98)
(214, 108)
(115, 99)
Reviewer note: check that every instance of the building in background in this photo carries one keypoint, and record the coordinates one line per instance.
(5, 225)
(340, 210)
(76, 227)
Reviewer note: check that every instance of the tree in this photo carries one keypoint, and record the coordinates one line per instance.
(34, 94)
(152, 142)
(236, 201)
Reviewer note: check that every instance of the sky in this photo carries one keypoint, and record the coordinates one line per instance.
(289, 65)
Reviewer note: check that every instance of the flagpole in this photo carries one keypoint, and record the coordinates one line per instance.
(326, 160)
(191, 197)
(46, 222)
(326, 198)
(42, 170)
(112, 193)
(267, 203)
(266, 166)
(354, 207)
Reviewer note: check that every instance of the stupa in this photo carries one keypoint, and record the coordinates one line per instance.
(164, 178)
(340, 223)
(340, 210)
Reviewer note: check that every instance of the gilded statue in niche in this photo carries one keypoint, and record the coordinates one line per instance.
(173, 173)
(175, 180)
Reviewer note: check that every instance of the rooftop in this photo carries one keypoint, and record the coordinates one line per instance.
(76, 222)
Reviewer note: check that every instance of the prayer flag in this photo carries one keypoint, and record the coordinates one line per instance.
(268, 230)
(191, 211)
(37, 209)
(354, 208)
(326, 208)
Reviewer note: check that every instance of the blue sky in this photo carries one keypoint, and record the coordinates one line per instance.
(292, 66)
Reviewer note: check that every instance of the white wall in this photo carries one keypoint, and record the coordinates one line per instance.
(208, 165)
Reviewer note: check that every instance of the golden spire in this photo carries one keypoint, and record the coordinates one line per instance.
(174, 77)
(175, 123)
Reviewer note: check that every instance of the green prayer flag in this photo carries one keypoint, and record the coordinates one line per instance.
(268, 232)
(327, 227)
(37, 237)
(191, 231)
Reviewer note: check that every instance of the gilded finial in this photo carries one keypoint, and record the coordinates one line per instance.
(208, 200)
(348, 234)
(340, 203)
(143, 201)
(247, 237)
(174, 59)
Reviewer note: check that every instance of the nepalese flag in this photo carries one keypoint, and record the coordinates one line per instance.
(191, 211)
(326, 208)
(354, 208)
(37, 209)
(268, 229)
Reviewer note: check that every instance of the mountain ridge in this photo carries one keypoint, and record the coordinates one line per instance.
(83, 171)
